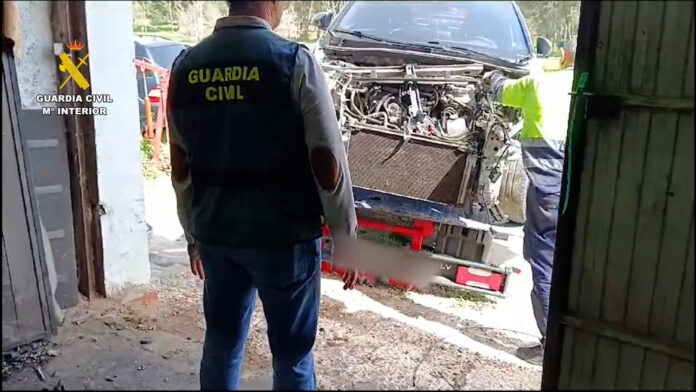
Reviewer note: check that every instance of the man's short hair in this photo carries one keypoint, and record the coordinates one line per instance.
(237, 5)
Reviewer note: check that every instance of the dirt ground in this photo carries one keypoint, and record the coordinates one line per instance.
(150, 337)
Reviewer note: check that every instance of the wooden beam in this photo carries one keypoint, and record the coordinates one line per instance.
(68, 23)
(620, 333)
(634, 100)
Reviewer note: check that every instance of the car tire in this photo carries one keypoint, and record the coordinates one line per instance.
(513, 191)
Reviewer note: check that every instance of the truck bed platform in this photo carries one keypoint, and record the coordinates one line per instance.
(426, 210)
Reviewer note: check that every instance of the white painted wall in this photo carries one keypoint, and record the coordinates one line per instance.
(35, 62)
(124, 232)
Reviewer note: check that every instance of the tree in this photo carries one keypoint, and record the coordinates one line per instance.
(306, 9)
(333, 6)
(156, 12)
(193, 20)
(197, 18)
(555, 20)
(290, 25)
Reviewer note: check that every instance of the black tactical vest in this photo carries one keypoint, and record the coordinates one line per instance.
(232, 106)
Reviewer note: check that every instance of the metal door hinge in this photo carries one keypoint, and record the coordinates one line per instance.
(607, 105)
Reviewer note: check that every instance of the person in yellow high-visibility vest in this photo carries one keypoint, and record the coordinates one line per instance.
(543, 134)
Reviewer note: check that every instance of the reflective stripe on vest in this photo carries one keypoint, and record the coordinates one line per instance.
(542, 154)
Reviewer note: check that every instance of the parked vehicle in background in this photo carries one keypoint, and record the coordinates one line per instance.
(163, 53)
(568, 49)
(158, 52)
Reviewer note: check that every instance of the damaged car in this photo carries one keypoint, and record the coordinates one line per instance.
(406, 82)
(431, 156)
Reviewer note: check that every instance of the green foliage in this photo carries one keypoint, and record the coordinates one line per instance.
(152, 168)
(384, 238)
(147, 152)
(555, 20)
(146, 148)
(190, 21)
(153, 12)
(181, 21)
(462, 296)
(193, 20)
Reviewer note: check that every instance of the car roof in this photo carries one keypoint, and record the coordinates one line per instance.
(155, 44)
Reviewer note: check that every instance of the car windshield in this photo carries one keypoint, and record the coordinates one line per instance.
(165, 55)
(488, 27)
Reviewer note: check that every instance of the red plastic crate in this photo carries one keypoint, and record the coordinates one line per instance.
(481, 278)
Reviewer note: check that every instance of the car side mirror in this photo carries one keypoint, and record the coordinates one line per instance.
(322, 20)
(543, 47)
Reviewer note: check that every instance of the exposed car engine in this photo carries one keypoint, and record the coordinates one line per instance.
(451, 111)
(444, 105)
(439, 112)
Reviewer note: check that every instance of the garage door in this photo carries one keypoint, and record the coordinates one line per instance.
(25, 315)
(47, 155)
(622, 308)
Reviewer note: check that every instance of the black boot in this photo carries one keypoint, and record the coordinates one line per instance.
(533, 354)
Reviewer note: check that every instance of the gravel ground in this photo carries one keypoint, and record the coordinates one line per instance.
(150, 337)
(431, 340)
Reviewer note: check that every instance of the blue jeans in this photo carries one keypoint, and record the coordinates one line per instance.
(287, 280)
(544, 167)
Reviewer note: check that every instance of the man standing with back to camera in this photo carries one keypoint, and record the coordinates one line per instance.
(257, 160)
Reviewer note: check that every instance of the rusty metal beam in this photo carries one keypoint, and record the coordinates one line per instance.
(68, 22)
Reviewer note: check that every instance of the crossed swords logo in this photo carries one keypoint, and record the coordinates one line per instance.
(72, 69)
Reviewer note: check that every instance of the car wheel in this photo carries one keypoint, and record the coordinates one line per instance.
(513, 191)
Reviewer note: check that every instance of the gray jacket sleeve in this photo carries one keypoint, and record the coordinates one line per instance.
(312, 97)
(182, 188)
(183, 191)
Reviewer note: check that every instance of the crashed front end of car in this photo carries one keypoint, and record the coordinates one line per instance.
(428, 132)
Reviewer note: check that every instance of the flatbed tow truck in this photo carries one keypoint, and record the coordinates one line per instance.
(429, 225)
(440, 233)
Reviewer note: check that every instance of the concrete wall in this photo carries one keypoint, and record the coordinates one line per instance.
(124, 232)
(35, 63)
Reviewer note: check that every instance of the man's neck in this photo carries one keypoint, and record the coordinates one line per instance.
(254, 14)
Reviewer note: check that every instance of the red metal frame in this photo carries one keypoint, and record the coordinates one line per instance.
(417, 233)
(480, 278)
(154, 133)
